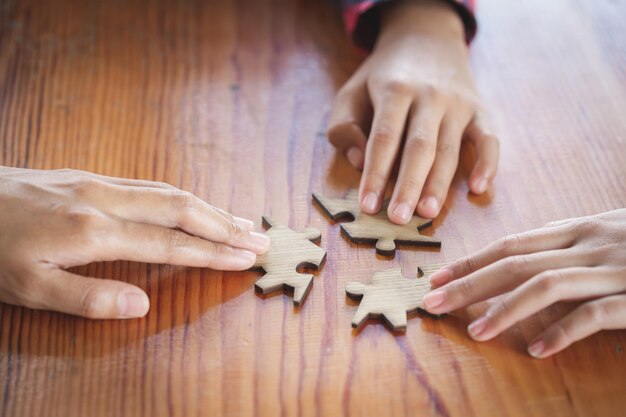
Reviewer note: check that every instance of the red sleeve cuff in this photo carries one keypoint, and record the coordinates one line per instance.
(362, 20)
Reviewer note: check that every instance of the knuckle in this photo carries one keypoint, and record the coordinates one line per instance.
(345, 133)
(214, 251)
(234, 232)
(384, 136)
(336, 132)
(561, 335)
(375, 179)
(571, 227)
(82, 186)
(74, 174)
(439, 185)
(184, 203)
(165, 185)
(223, 213)
(229, 229)
(516, 265)
(549, 282)
(174, 239)
(81, 218)
(182, 200)
(469, 264)
(446, 149)
(95, 303)
(218, 251)
(595, 313)
(508, 245)
(503, 308)
(588, 225)
(397, 86)
(66, 171)
(459, 99)
(409, 184)
(465, 286)
(420, 142)
(429, 91)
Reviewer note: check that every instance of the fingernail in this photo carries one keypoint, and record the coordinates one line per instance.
(477, 327)
(133, 304)
(481, 185)
(403, 212)
(536, 349)
(355, 157)
(433, 299)
(245, 223)
(440, 277)
(430, 205)
(259, 242)
(370, 202)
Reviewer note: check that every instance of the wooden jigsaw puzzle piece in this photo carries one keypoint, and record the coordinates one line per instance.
(289, 251)
(395, 319)
(358, 233)
(300, 284)
(389, 296)
(405, 234)
(337, 208)
(356, 289)
(376, 228)
(385, 245)
(312, 234)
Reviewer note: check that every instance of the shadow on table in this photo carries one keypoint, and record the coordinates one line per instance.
(511, 345)
(179, 297)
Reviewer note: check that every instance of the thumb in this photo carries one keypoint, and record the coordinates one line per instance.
(487, 154)
(348, 123)
(91, 297)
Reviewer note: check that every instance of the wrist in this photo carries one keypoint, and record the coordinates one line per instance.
(435, 19)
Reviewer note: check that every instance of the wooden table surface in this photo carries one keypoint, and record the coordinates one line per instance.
(230, 100)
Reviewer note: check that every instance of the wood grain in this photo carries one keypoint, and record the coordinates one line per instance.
(230, 100)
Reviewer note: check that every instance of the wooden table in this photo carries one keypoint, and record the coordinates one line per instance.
(230, 100)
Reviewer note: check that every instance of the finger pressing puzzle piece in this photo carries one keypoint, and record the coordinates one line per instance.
(289, 250)
(375, 227)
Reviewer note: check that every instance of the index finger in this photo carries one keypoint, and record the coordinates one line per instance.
(180, 209)
(537, 240)
(382, 147)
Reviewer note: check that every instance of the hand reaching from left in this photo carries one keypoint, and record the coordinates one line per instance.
(53, 220)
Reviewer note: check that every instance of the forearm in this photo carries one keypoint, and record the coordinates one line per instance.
(411, 18)
(362, 18)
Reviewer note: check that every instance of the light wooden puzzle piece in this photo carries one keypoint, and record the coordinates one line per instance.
(377, 227)
(390, 296)
(289, 250)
